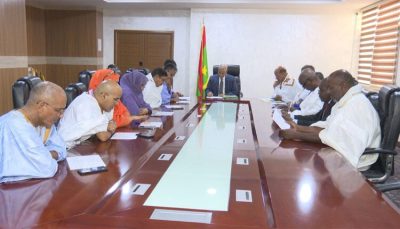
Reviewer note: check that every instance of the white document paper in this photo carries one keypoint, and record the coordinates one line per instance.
(184, 98)
(124, 136)
(278, 119)
(183, 102)
(174, 106)
(162, 113)
(85, 162)
(214, 97)
(150, 125)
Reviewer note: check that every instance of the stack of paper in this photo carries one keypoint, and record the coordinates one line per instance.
(85, 162)
(174, 106)
(124, 136)
(183, 102)
(184, 98)
(162, 113)
(151, 125)
(278, 119)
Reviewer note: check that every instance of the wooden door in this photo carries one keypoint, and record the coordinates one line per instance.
(136, 49)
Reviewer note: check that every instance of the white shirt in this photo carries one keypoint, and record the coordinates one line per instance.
(82, 119)
(24, 151)
(152, 93)
(352, 127)
(288, 89)
(310, 105)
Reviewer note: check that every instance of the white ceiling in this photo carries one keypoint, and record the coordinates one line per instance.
(185, 4)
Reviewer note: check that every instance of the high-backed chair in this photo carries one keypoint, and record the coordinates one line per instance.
(389, 113)
(74, 90)
(84, 77)
(21, 89)
(233, 70)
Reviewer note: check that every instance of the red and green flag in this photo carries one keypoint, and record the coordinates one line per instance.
(202, 80)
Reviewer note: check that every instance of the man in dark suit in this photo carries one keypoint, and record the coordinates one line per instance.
(222, 83)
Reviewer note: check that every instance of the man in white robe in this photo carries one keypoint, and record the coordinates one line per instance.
(91, 114)
(285, 88)
(312, 103)
(153, 88)
(352, 126)
(30, 145)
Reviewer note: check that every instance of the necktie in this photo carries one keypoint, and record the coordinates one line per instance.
(221, 86)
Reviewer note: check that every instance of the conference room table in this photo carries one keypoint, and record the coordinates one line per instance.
(213, 164)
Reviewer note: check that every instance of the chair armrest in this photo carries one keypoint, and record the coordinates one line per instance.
(387, 187)
(380, 151)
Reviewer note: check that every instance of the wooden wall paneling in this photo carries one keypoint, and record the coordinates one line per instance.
(99, 34)
(158, 48)
(128, 49)
(7, 77)
(12, 28)
(65, 74)
(71, 33)
(35, 31)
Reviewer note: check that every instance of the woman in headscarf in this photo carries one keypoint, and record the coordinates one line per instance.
(121, 115)
(132, 84)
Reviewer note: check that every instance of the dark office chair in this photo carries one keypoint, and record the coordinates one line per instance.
(21, 89)
(84, 77)
(74, 90)
(233, 70)
(389, 113)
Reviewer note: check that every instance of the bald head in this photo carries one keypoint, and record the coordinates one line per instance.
(339, 82)
(46, 91)
(107, 94)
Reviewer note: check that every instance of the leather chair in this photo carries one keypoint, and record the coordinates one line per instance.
(21, 89)
(84, 77)
(389, 113)
(233, 70)
(74, 90)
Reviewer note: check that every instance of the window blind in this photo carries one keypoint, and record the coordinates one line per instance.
(379, 44)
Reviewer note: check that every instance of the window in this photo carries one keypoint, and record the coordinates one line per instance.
(379, 44)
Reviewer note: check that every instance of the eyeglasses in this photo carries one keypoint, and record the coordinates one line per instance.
(57, 110)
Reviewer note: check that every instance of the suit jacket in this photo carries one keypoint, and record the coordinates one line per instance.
(322, 115)
(230, 85)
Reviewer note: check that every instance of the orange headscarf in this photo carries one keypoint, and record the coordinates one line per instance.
(121, 113)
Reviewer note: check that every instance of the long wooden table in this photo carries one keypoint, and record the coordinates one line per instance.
(293, 184)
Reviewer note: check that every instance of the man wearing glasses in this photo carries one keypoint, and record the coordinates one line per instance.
(30, 145)
(91, 114)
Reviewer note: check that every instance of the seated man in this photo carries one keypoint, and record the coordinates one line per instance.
(312, 103)
(30, 145)
(352, 126)
(153, 88)
(121, 115)
(285, 88)
(304, 92)
(222, 83)
(167, 93)
(306, 120)
(91, 114)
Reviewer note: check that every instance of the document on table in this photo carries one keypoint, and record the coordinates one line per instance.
(183, 102)
(150, 125)
(162, 113)
(174, 106)
(214, 97)
(184, 98)
(124, 136)
(85, 162)
(278, 119)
